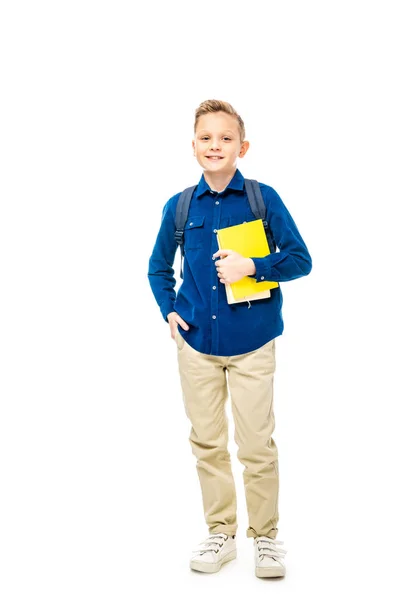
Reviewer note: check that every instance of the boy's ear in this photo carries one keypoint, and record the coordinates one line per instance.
(194, 146)
(245, 146)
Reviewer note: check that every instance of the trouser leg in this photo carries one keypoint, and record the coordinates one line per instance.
(251, 378)
(204, 387)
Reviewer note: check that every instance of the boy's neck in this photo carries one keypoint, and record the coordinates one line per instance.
(218, 181)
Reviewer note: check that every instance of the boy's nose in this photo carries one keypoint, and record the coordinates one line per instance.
(214, 145)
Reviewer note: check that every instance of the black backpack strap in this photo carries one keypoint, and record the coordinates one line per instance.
(181, 215)
(258, 209)
(255, 198)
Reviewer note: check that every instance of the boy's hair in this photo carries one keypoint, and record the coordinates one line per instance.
(211, 106)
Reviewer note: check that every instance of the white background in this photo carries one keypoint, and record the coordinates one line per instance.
(100, 497)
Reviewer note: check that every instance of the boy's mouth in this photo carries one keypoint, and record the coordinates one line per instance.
(215, 158)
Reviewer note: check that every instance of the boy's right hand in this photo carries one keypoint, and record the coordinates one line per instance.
(173, 320)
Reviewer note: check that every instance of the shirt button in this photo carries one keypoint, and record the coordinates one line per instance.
(262, 277)
(213, 257)
(217, 202)
(190, 224)
(214, 287)
(215, 231)
(214, 317)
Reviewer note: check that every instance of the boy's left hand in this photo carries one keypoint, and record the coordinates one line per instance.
(233, 267)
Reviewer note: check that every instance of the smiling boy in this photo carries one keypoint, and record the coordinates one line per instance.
(227, 348)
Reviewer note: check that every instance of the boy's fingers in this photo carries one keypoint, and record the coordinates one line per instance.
(177, 319)
(183, 324)
(222, 252)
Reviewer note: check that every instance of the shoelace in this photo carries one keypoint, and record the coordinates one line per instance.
(267, 547)
(212, 544)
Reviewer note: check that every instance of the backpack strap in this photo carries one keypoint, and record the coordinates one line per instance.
(258, 209)
(181, 215)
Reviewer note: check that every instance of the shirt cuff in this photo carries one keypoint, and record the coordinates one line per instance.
(166, 309)
(263, 270)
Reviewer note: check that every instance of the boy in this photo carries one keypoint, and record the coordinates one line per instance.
(219, 342)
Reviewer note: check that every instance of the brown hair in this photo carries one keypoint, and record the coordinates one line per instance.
(211, 106)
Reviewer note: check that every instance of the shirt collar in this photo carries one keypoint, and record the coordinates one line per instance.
(236, 183)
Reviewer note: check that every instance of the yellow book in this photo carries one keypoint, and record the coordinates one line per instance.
(249, 240)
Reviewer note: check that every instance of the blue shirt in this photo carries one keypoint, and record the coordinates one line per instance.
(216, 327)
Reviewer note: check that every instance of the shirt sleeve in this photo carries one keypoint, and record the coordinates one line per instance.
(292, 259)
(161, 271)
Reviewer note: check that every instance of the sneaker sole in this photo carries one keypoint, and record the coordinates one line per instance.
(270, 571)
(197, 565)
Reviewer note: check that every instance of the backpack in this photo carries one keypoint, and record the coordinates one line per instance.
(256, 204)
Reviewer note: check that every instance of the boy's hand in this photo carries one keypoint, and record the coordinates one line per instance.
(233, 267)
(173, 320)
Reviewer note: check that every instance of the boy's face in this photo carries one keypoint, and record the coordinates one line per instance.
(217, 143)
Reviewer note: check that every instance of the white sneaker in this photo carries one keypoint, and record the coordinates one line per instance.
(269, 558)
(211, 554)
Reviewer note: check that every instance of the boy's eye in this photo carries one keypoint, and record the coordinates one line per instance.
(205, 137)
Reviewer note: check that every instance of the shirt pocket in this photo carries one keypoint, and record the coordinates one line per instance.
(231, 220)
(194, 233)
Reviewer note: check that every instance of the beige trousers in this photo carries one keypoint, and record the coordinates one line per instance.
(204, 381)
